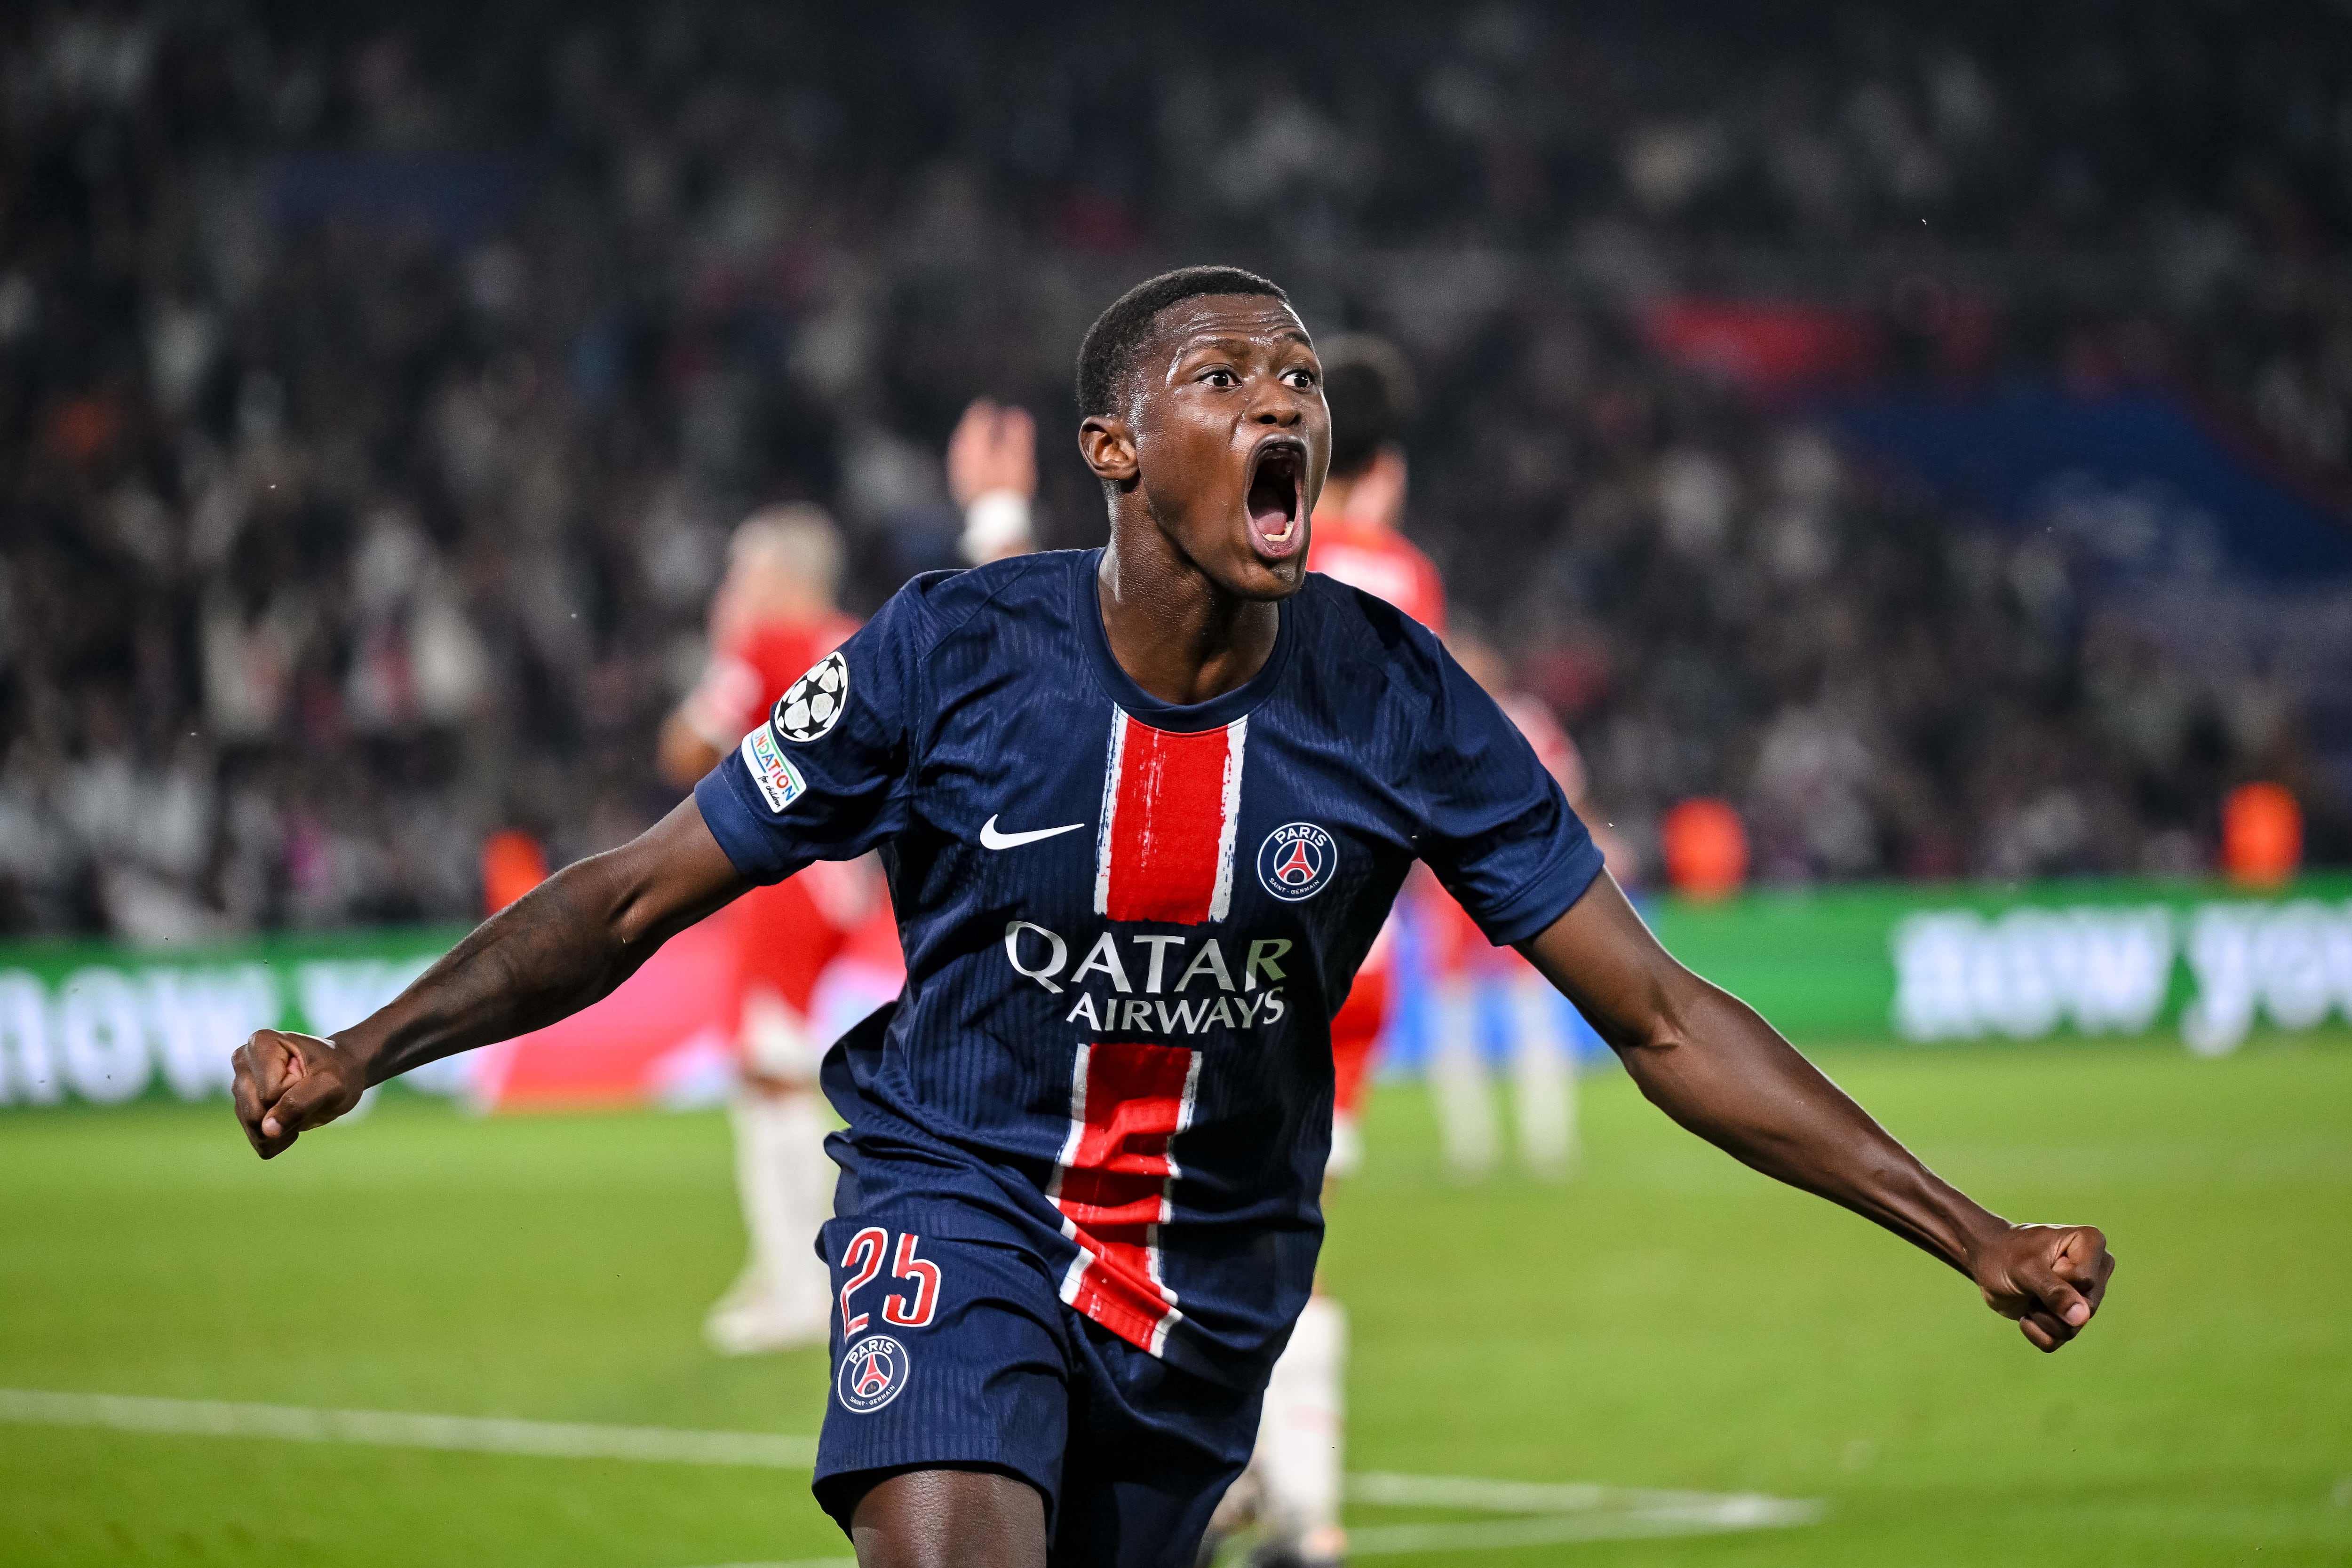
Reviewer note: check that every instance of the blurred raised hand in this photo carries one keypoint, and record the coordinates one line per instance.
(995, 447)
(992, 474)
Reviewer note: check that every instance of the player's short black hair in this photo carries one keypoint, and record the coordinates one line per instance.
(1369, 391)
(1121, 332)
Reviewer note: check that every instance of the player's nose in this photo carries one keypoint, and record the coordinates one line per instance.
(1272, 402)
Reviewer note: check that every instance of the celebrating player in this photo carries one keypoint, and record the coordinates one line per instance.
(1143, 809)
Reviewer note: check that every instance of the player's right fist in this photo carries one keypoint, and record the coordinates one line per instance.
(286, 1083)
(2047, 1279)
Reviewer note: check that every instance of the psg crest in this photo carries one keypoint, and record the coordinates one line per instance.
(1296, 860)
(872, 1373)
(814, 702)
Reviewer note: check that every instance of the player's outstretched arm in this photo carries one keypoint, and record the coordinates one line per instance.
(562, 945)
(1708, 1060)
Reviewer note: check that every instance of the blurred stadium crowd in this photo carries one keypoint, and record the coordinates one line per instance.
(375, 398)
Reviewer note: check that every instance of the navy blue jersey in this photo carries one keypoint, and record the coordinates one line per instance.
(1127, 924)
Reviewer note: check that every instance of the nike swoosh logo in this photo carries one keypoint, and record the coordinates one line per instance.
(990, 838)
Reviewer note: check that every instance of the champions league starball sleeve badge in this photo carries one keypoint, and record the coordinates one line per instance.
(814, 704)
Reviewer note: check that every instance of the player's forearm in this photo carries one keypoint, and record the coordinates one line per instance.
(1706, 1060)
(1713, 1065)
(544, 957)
(561, 947)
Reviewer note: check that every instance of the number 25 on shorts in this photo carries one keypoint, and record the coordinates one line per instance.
(864, 1260)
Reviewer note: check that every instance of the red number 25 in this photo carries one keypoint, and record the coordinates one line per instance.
(864, 1259)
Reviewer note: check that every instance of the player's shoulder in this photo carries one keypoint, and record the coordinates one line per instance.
(934, 606)
(1346, 622)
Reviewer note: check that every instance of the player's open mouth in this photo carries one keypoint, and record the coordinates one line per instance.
(1277, 501)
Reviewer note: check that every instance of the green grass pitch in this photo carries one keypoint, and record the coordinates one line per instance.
(1664, 1320)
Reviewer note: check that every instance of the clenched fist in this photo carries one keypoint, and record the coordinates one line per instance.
(2049, 1279)
(289, 1082)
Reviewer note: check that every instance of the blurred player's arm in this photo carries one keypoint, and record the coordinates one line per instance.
(712, 717)
(1708, 1060)
(683, 752)
(562, 945)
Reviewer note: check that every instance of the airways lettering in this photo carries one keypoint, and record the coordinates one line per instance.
(1168, 1019)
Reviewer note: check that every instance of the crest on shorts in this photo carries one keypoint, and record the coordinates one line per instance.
(813, 704)
(871, 1374)
(1296, 860)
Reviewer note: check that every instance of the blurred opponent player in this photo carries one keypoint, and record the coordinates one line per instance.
(991, 462)
(1468, 971)
(1292, 1483)
(775, 615)
(1358, 540)
(1295, 1479)
(818, 951)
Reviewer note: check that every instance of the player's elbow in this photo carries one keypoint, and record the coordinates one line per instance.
(1660, 1022)
(632, 910)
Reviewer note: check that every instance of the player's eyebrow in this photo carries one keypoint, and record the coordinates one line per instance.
(1233, 345)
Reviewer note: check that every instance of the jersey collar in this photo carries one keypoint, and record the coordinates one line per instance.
(1181, 717)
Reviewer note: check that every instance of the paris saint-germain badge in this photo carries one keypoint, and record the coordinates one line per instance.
(1296, 860)
(872, 1373)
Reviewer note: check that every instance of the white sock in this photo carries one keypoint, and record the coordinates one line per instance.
(1546, 1079)
(1300, 1436)
(1457, 1082)
(787, 1190)
(1347, 1147)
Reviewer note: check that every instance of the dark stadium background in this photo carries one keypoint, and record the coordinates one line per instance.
(376, 386)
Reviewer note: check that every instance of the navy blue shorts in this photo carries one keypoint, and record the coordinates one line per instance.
(959, 1354)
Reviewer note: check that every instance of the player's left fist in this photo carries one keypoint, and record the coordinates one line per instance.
(286, 1083)
(2049, 1279)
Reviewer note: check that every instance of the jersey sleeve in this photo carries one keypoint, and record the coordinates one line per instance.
(825, 775)
(1495, 826)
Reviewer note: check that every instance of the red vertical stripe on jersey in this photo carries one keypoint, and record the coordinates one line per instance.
(1168, 831)
(1127, 1103)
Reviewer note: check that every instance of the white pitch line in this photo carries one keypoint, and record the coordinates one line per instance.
(1550, 1514)
(1729, 1514)
(407, 1429)
(1555, 1513)
(1393, 1490)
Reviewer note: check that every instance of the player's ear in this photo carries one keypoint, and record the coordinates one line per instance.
(1108, 446)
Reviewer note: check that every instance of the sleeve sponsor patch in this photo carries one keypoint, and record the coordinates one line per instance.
(780, 782)
(814, 703)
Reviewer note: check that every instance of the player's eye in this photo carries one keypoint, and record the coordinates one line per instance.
(1301, 378)
(1220, 377)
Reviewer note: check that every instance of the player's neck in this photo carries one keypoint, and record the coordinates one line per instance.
(1176, 633)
